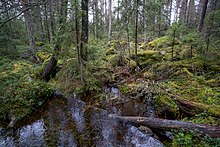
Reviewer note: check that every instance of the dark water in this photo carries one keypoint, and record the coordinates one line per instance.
(70, 122)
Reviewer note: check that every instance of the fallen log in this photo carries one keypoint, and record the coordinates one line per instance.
(166, 125)
(192, 108)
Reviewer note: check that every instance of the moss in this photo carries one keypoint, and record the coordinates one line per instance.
(113, 59)
(149, 57)
(111, 51)
(163, 103)
(149, 75)
(124, 89)
(44, 56)
(203, 118)
(20, 89)
(162, 42)
(117, 60)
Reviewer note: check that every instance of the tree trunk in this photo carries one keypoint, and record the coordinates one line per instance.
(96, 19)
(77, 29)
(51, 9)
(110, 19)
(29, 26)
(177, 10)
(136, 33)
(202, 15)
(47, 22)
(10, 33)
(159, 22)
(191, 13)
(37, 23)
(170, 11)
(167, 125)
(183, 11)
(84, 31)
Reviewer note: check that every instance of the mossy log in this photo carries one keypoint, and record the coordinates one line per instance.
(50, 69)
(166, 125)
(192, 108)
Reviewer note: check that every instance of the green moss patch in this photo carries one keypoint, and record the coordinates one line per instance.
(20, 89)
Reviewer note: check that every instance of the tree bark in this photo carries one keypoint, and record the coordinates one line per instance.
(191, 13)
(110, 19)
(76, 4)
(183, 11)
(29, 26)
(84, 32)
(136, 33)
(47, 22)
(202, 15)
(167, 125)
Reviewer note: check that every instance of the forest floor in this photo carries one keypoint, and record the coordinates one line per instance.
(183, 84)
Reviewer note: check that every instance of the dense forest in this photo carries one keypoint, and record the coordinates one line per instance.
(110, 73)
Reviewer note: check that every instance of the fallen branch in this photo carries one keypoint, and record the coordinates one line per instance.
(167, 125)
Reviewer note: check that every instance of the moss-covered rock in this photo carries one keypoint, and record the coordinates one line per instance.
(165, 105)
(20, 89)
(164, 41)
(149, 57)
(111, 51)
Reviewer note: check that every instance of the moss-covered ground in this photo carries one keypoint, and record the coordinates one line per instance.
(187, 78)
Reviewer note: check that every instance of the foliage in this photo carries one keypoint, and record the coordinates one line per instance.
(203, 118)
(192, 138)
(178, 28)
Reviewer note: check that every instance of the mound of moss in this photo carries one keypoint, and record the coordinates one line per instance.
(164, 41)
(20, 89)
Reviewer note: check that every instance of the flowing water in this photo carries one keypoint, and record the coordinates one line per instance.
(70, 122)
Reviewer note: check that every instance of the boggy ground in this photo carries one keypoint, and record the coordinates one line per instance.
(185, 87)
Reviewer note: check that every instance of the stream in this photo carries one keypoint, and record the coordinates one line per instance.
(71, 122)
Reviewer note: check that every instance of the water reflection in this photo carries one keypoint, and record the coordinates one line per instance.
(69, 122)
(32, 135)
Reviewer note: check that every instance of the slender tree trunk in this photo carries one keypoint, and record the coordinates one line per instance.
(170, 13)
(110, 19)
(37, 22)
(118, 2)
(144, 20)
(84, 31)
(10, 33)
(183, 11)
(191, 13)
(51, 9)
(96, 19)
(202, 15)
(209, 30)
(47, 22)
(177, 10)
(159, 22)
(29, 26)
(173, 43)
(77, 29)
(136, 33)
